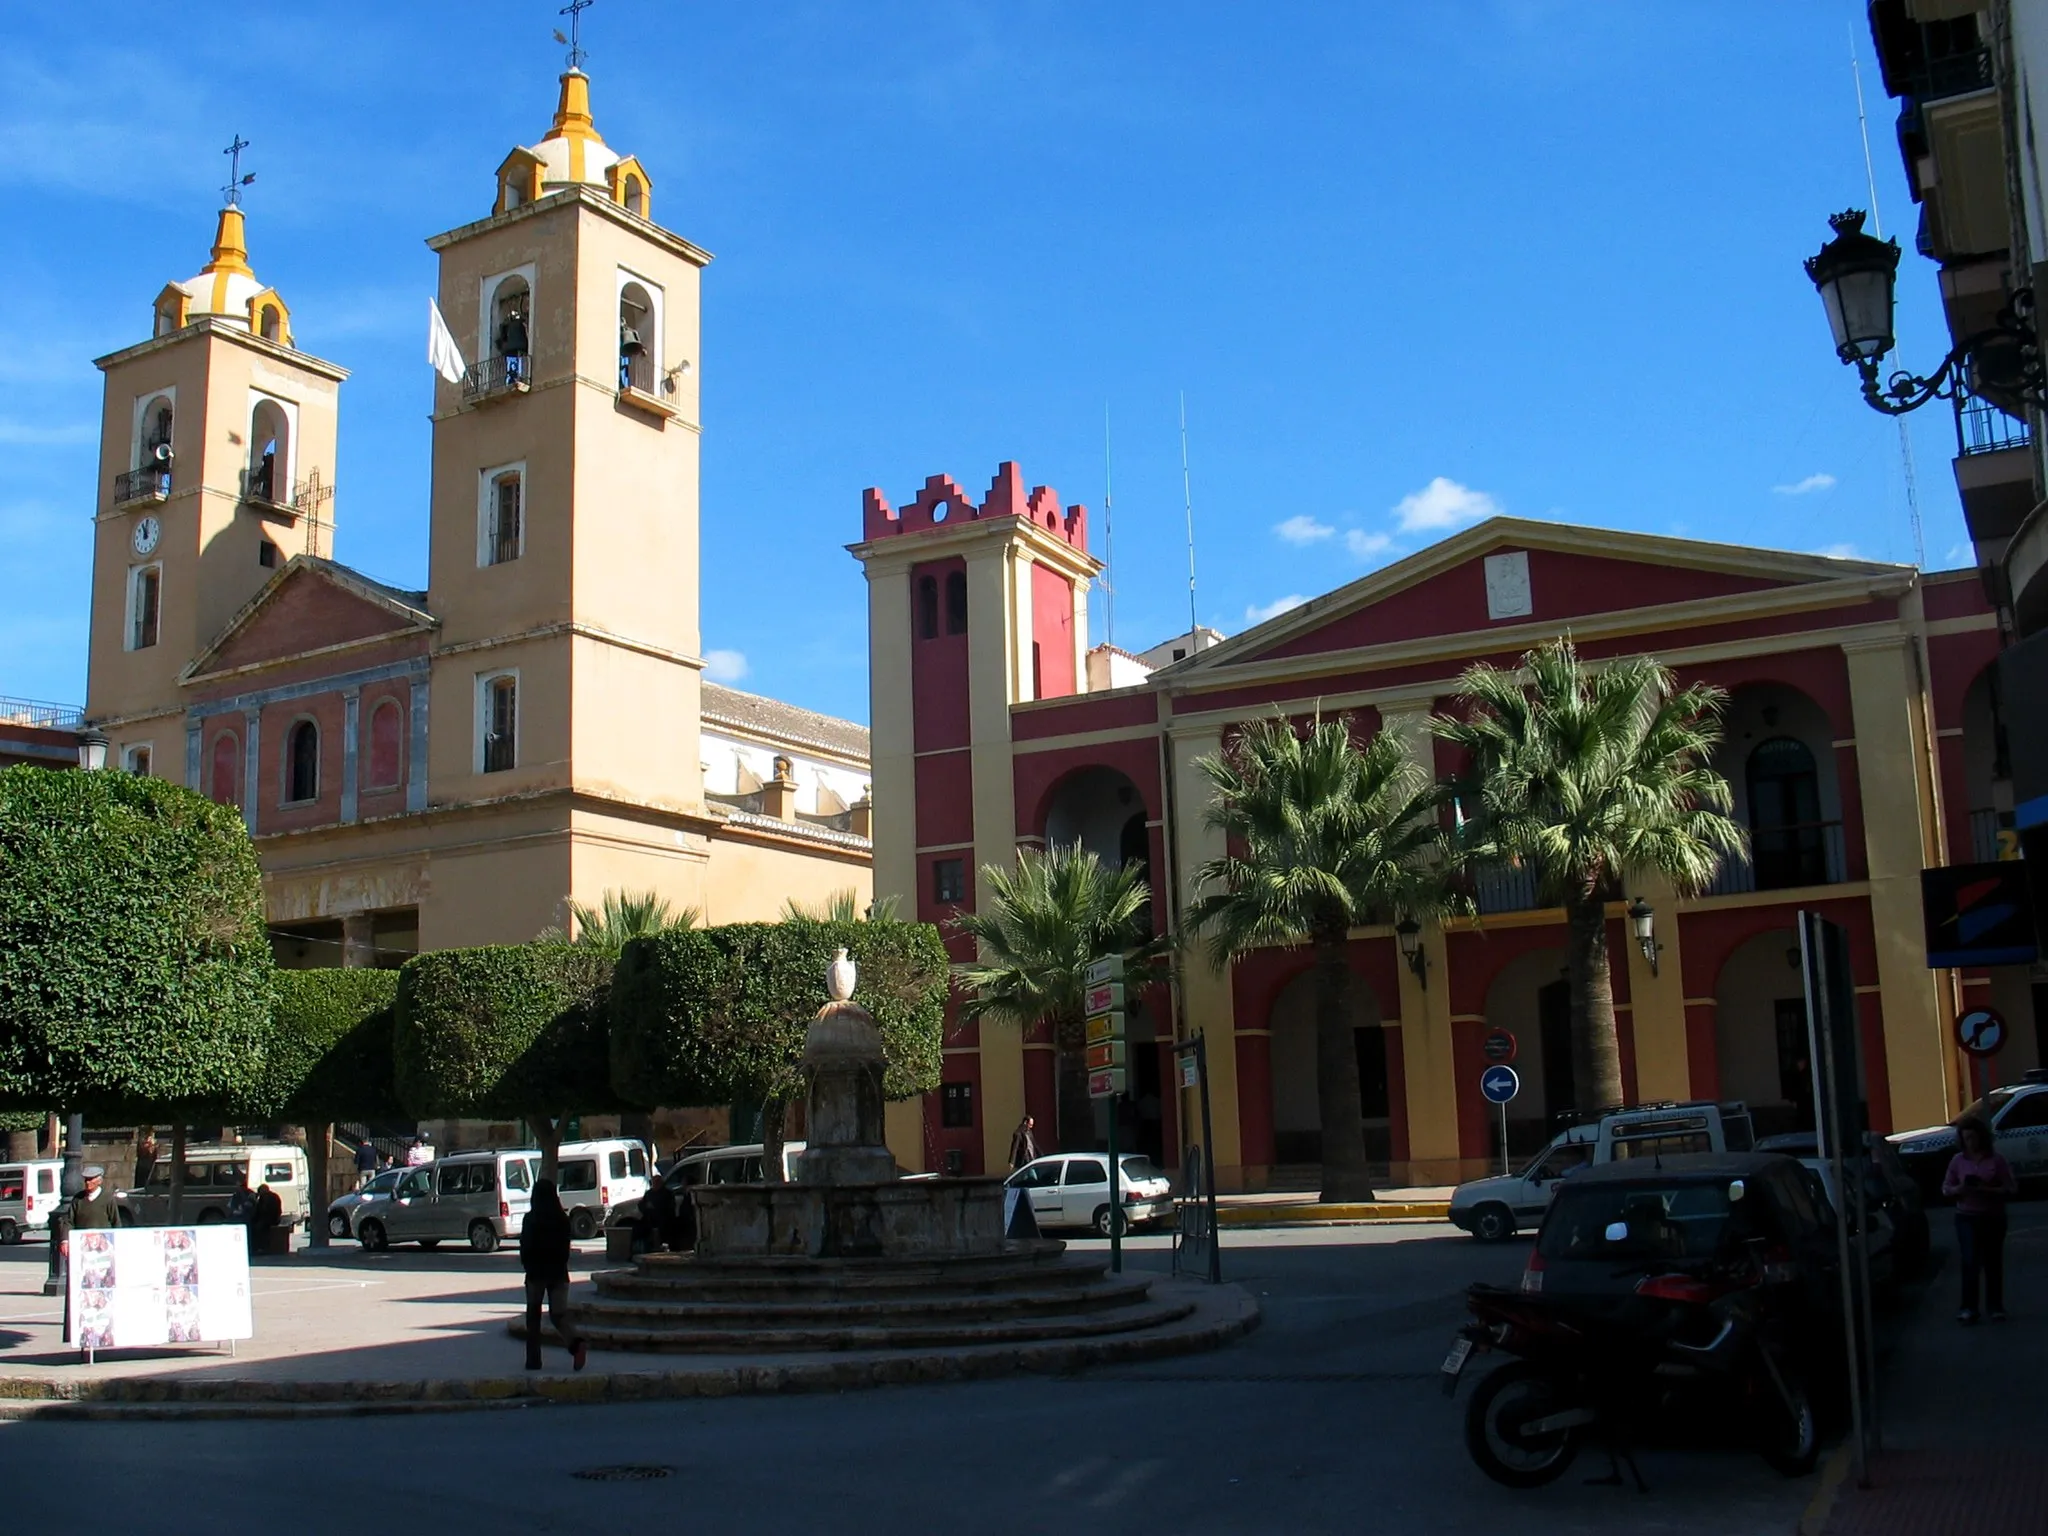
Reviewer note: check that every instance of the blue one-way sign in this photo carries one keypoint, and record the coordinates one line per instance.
(1499, 1084)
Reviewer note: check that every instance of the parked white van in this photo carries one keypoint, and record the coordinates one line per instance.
(479, 1196)
(595, 1176)
(29, 1193)
(211, 1176)
(1494, 1209)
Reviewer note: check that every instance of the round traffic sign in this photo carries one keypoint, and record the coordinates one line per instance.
(1499, 1083)
(1499, 1045)
(1981, 1032)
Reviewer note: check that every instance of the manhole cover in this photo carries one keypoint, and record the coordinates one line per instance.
(632, 1472)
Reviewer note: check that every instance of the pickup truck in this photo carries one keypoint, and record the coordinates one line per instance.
(1494, 1209)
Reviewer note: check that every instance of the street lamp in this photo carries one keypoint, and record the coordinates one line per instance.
(1856, 273)
(1408, 934)
(92, 750)
(1642, 920)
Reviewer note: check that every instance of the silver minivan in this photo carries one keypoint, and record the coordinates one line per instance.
(480, 1196)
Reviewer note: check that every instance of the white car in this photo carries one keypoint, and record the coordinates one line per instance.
(2018, 1117)
(1071, 1189)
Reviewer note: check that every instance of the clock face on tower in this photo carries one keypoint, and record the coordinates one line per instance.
(145, 536)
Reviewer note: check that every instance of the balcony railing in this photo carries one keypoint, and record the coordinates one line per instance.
(1780, 858)
(1982, 427)
(500, 374)
(150, 483)
(1985, 826)
(307, 496)
(1504, 890)
(1954, 74)
(41, 712)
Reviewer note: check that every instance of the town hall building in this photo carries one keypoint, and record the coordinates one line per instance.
(424, 769)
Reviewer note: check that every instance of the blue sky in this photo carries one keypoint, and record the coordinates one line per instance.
(1409, 264)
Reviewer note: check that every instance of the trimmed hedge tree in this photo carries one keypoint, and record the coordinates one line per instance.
(515, 1030)
(135, 970)
(330, 1058)
(717, 1015)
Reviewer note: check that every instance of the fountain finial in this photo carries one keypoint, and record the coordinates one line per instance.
(840, 976)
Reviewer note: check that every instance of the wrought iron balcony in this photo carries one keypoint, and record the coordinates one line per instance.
(1953, 74)
(307, 497)
(1504, 890)
(1982, 427)
(1781, 858)
(498, 375)
(40, 712)
(152, 482)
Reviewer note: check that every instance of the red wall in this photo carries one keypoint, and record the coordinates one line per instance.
(1052, 631)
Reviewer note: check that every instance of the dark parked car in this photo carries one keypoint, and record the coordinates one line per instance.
(1610, 1225)
(1887, 1185)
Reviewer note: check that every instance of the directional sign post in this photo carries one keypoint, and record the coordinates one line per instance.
(1498, 1046)
(1103, 1008)
(1499, 1083)
(1981, 1032)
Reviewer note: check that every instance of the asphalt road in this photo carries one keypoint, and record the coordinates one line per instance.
(1328, 1418)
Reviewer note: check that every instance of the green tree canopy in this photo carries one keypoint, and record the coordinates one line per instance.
(1044, 924)
(135, 970)
(509, 1030)
(717, 1015)
(331, 1046)
(1588, 777)
(1323, 836)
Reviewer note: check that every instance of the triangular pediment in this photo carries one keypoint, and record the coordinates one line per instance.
(309, 607)
(1511, 574)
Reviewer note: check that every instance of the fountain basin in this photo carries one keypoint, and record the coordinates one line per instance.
(897, 1219)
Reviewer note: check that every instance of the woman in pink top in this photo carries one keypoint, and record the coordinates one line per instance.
(1980, 1182)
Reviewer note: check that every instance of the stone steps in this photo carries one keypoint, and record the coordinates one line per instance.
(692, 1280)
(837, 1336)
(673, 1311)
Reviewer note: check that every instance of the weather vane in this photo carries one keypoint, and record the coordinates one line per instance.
(574, 11)
(236, 180)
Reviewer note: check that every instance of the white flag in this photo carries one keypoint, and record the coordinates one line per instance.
(442, 353)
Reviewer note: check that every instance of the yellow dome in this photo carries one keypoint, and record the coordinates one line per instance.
(227, 289)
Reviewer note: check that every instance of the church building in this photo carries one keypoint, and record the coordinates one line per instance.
(453, 766)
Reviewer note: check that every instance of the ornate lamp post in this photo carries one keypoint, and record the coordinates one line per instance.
(1642, 921)
(92, 750)
(1408, 934)
(1855, 274)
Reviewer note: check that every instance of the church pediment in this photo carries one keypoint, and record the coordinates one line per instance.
(1507, 573)
(309, 607)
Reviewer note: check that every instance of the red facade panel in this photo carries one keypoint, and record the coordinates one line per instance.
(1085, 712)
(1052, 634)
(944, 786)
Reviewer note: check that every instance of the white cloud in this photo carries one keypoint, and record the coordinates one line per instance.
(1839, 552)
(725, 666)
(1272, 610)
(1807, 486)
(1960, 555)
(1303, 529)
(1443, 503)
(1365, 545)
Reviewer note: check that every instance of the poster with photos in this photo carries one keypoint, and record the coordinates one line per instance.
(136, 1287)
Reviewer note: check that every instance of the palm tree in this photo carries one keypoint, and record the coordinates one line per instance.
(1045, 922)
(1324, 835)
(624, 915)
(1587, 776)
(841, 906)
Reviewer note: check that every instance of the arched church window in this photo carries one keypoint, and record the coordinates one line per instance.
(1784, 814)
(511, 327)
(636, 339)
(956, 603)
(302, 762)
(508, 516)
(269, 323)
(224, 781)
(636, 195)
(269, 453)
(927, 608)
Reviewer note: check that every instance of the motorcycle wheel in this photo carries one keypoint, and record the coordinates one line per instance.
(1787, 1434)
(1505, 1401)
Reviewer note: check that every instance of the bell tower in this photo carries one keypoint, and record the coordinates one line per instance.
(217, 450)
(563, 552)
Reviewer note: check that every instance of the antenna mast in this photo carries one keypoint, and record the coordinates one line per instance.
(1912, 483)
(1108, 537)
(1188, 496)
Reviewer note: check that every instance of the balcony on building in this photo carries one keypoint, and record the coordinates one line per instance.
(497, 376)
(265, 492)
(1994, 469)
(133, 487)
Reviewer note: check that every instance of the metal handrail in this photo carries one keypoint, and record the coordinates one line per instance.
(501, 373)
(40, 712)
(1982, 427)
(152, 482)
(307, 495)
(1782, 857)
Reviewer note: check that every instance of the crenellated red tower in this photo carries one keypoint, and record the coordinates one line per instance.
(972, 608)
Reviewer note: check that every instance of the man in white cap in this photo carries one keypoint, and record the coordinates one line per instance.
(91, 1207)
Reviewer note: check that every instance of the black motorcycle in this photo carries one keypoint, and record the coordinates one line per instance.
(1589, 1367)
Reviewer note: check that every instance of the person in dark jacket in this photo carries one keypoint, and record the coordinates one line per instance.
(657, 1218)
(544, 1256)
(266, 1215)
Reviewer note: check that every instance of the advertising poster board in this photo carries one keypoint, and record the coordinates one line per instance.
(140, 1287)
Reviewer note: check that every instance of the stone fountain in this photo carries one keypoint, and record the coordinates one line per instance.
(851, 1257)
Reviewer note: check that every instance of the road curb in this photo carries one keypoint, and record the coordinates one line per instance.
(1822, 1505)
(1314, 1213)
(1222, 1314)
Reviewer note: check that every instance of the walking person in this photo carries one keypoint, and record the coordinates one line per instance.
(145, 1155)
(1023, 1143)
(1980, 1181)
(544, 1256)
(367, 1162)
